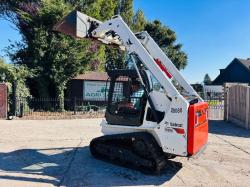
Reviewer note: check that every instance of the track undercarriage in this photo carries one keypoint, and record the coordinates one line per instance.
(138, 151)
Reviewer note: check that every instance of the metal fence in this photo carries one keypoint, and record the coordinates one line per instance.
(46, 108)
(54, 107)
(215, 102)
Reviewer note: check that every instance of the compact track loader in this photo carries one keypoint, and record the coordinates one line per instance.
(147, 120)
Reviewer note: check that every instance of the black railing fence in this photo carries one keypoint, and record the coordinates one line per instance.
(78, 107)
(58, 107)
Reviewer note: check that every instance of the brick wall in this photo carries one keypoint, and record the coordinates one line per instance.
(3, 100)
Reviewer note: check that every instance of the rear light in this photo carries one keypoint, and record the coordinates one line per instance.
(179, 130)
(197, 115)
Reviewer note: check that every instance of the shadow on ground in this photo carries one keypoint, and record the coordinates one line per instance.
(74, 166)
(225, 128)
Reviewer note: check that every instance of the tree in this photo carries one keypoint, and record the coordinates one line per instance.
(16, 77)
(101, 10)
(207, 80)
(18, 74)
(164, 36)
(126, 11)
(54, 57)
(166, 39)
(139, 21)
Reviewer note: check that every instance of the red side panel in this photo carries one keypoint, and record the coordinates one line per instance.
(197, 127)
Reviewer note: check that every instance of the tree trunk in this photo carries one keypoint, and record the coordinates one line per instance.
(60, 95)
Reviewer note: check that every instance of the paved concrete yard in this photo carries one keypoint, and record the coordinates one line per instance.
(47, 153)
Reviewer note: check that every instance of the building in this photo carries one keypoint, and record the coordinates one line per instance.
(197, 87)
(90, 86)
(238, 71)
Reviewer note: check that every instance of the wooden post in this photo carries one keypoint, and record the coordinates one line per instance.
(74, 105)
(3, 100)
(247, 107)
(226, 103)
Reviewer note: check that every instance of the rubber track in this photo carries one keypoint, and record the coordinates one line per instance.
(119, 149)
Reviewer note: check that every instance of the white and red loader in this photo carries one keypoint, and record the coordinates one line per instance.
(167, 123)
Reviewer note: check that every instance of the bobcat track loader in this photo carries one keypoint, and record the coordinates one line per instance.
(142, 131)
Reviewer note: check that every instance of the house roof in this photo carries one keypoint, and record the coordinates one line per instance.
(92, 75)
(245, 62)
(225, 77)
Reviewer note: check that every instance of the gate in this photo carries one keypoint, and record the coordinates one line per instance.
(215, 102)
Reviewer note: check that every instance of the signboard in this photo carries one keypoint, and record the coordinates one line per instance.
(95, 90)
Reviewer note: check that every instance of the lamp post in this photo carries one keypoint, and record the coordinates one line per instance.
(3, 76)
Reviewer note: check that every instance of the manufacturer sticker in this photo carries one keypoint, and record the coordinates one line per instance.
(172, 124)
(176, 110)
(168, 130)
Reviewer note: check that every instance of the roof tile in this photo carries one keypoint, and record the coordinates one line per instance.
(97, 76)
(245, 62)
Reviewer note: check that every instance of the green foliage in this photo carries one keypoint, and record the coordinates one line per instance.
(127, 12)
(107, 9)
(166, 39)
(102, 10)
(99, 9)
(207, 80)
(115, 58)
(139, 21)
(55, 58)
(18, 74)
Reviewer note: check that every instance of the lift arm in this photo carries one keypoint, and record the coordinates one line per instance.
(156, 52)
(115, 31)
(133, 45)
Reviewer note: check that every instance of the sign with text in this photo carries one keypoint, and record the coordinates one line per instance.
(95, 90)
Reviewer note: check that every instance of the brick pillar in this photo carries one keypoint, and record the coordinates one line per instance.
(3, 100)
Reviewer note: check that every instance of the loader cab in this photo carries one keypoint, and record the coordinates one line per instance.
(126, 98)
